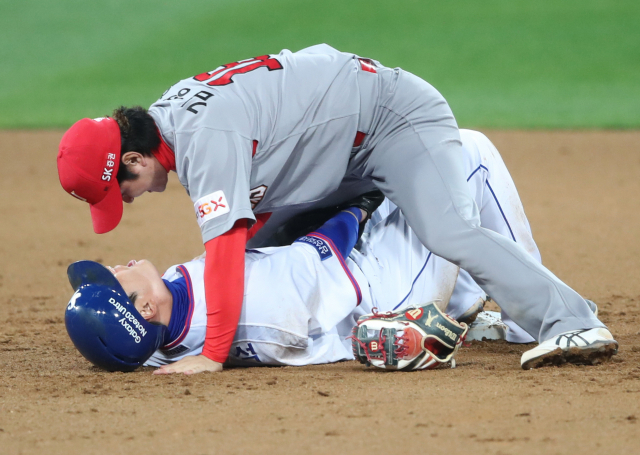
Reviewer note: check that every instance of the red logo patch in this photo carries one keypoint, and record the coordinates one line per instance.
(218, 204)
(414, 314)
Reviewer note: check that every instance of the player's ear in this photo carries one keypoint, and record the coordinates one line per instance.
(148, 311)
(133, 158)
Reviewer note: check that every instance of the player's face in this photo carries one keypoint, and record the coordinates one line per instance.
(151, 178)
(141, 278)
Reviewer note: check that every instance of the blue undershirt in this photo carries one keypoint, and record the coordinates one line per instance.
(342, 229)
(180, 310)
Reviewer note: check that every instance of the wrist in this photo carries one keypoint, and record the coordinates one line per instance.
(214, 357)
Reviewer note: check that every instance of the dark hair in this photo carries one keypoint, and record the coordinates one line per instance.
(138, 133)
(133, 297)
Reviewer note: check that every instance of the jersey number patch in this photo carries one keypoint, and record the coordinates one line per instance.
(223, 75)
(256, 195)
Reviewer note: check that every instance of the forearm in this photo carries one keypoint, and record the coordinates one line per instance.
(224, 289)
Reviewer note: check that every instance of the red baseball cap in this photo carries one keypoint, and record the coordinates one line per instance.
(88, 162)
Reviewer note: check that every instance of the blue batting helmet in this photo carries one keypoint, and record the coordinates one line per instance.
(103, 323)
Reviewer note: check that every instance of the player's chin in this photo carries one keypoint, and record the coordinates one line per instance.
(160, 186)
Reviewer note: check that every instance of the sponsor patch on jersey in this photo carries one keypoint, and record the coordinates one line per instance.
(320, 245)
(211, 206)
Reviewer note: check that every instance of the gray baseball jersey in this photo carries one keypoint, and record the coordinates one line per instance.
(262, 133)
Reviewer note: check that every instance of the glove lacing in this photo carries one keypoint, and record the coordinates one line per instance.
(402, 348)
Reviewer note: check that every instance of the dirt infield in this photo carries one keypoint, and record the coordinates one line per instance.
(580, 191)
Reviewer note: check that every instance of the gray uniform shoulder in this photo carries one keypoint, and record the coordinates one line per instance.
(287, 105)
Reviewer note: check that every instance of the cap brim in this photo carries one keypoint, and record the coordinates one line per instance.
(107, 213)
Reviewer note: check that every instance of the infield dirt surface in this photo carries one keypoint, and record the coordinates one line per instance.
(580, 191)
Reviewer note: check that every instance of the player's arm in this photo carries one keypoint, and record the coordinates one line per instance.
(218, 177)
(224, 289)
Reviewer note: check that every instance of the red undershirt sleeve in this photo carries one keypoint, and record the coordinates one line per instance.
(224, 289)
(261, 219)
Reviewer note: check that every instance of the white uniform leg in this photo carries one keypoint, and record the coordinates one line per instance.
(401, 272)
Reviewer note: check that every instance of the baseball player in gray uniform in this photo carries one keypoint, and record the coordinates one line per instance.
(277, 134)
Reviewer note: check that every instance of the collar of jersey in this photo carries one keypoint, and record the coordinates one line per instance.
(182, 311)
(165, 155)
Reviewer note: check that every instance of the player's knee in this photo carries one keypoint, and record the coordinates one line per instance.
(454, 245)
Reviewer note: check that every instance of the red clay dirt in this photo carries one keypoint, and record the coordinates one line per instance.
(580, 191)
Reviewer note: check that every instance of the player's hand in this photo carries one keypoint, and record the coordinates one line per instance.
(190, 365)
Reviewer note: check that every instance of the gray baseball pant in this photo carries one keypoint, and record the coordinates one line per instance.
(410, 153)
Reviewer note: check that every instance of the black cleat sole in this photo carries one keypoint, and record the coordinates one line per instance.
(593, 355)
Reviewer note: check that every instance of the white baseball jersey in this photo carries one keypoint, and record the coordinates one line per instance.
(294, 298)
(302, 301)
(263, 133)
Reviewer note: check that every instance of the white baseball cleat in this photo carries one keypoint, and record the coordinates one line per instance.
(582, 347)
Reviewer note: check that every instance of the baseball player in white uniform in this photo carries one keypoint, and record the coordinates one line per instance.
(277, 134)
(323, 289)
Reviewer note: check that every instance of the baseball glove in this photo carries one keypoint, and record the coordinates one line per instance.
(421, 337)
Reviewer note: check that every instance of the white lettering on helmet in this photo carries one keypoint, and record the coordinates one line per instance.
(72, 302)
(130, 329)
(130, 317)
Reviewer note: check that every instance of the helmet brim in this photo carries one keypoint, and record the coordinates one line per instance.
(90, 272)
